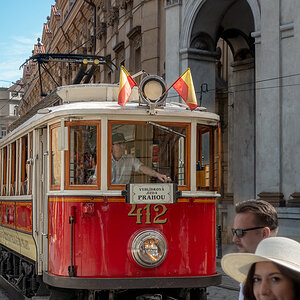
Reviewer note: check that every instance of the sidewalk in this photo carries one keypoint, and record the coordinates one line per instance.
(229, 288)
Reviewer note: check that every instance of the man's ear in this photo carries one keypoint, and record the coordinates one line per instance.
(266, 232)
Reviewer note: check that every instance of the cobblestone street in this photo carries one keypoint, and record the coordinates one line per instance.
(228, 289)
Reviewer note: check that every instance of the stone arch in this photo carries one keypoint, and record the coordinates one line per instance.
(191, 14)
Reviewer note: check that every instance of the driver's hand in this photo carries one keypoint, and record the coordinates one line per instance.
(164, 178)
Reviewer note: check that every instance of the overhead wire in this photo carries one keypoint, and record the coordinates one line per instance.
(89, 39)
(225, 89)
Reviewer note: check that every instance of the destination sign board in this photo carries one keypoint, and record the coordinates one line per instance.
(151, 193)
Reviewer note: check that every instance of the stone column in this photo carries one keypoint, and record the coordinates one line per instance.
(173, 30)
(242, 129)
(203, 68)
(173, 25)
(268, 103)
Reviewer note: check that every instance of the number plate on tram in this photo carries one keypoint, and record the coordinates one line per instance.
(151, 193)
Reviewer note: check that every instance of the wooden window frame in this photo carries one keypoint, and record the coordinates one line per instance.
(5, 173)
(96, 186)
(54, 187)
(13, 171)
(24, 159)
(187, 149)
(213, 131)
(30, 165)
(1, 171)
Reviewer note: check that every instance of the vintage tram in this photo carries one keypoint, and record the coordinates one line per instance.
(69, 230)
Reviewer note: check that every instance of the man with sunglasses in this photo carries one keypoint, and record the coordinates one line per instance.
(255, 220)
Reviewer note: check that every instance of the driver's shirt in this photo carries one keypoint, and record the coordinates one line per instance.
(122, 169)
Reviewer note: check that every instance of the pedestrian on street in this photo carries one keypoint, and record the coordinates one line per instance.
(255, 220)
(273, 272)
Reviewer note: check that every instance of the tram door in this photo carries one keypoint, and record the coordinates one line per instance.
(42, 201)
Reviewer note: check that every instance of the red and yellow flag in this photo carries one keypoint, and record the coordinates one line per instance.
(125, 86)
(185, 88)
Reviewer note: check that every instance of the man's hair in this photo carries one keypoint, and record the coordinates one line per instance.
(264, 212)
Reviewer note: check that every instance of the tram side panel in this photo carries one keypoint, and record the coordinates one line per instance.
(104, 228)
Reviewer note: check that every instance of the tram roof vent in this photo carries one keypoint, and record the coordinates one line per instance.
(92, 92)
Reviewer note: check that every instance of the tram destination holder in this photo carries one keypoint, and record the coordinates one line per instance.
(152, 193)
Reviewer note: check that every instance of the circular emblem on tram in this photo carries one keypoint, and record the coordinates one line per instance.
(153, 90)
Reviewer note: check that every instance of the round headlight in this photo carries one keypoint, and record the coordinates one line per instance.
(149, 248)
(153, 90)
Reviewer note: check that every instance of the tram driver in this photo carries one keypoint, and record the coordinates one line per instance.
(122, 165)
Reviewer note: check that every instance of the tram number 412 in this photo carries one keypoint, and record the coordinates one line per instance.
(146, 214)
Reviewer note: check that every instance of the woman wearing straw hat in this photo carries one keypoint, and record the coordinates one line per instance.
(272, 273)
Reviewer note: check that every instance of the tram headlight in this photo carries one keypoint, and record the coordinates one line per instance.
(149, 249)
(153, 90)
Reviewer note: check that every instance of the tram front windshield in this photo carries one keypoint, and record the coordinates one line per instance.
(159, 147)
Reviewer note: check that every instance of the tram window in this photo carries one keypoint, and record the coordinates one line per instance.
(83, 153)
(55, 159)
(207, 164)
(1, 172)
(162, 147)
(30, 165)
(13, 169)
(24, 157)
(4, 187)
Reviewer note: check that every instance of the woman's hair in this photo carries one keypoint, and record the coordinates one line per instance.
(292, 275)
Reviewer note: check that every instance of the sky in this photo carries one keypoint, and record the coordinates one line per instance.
(21, 23)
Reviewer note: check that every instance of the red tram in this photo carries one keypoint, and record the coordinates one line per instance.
(71, 228)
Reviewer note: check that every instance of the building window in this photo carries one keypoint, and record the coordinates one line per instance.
(3, 131)
(16, 110)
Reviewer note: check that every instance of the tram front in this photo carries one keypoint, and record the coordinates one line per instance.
(134, 214)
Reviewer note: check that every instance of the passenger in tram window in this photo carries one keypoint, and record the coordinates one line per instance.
(123, 165)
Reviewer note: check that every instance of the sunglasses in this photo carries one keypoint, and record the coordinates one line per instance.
(241, 232)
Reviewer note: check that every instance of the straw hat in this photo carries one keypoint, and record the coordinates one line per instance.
(280, 250)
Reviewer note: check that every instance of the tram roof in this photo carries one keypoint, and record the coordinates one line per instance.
(96, 99)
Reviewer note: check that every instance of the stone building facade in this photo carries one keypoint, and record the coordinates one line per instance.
(253, 84)
(128, 32)
(245, 63)
(9, 101)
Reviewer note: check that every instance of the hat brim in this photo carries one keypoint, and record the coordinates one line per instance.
(237, 265)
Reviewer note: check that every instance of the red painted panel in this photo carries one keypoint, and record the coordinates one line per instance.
(102, 237)
(24, 216)
(8, 214)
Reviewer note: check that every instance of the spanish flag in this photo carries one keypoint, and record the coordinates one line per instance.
(125, 86)
(185, 88)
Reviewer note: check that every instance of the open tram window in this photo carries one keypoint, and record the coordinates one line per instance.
(161, 148)
(82, 165)
(208, 158)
